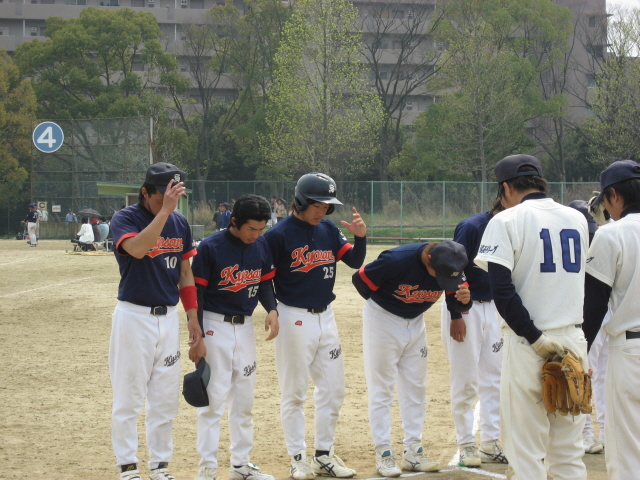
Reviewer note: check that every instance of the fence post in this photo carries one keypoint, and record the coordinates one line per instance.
(482, 209)
(444, 191)
(372, 222)
(401, 205)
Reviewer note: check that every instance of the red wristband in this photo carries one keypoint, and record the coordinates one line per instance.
(189, 298)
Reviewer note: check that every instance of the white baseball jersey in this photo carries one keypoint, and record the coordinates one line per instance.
(544, 244)
(613, 259)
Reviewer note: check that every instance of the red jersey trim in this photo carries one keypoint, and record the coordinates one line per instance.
(463, 283)
(342, 251)
(124, 237)
(268, 276)
(366, 280)
(189, 254)
(201, 281)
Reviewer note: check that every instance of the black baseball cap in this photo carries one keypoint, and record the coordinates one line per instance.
(507, 168)
(195, 384)
(583, 208)
(617, 172)
(161, 173)
(448, 259)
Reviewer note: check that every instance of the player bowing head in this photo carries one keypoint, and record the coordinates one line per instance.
(249, 217)
(518, 175)
(162, 179)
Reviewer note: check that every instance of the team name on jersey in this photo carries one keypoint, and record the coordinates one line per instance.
(240, 279)
(309, 260)
(165, 245)
(409, 294)
(488, 249)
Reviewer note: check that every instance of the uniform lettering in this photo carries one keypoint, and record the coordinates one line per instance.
(410, 294)
(498, 345)
(488, 249)
(249, 369)
(238, 280)
(423, 352)
(308, 260)
(172, 359)
(165, 245)
(335, 353)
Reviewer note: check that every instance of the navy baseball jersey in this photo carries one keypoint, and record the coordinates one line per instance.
(231, 272)
(32, 216)
(400, 283)
(305, 258)
(154, 280)
(468, 233)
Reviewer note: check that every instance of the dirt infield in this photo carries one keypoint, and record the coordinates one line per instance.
(55, 393)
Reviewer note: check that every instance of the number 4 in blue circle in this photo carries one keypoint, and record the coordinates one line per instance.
(547, 249)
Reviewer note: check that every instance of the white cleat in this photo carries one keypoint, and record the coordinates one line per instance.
(300, 468)
(415, 460)
(469, 456)
(386, 464)
(248, 472)
(331, 466)
(206, 473)
(491, 452)
(591, 445)
(161, 473)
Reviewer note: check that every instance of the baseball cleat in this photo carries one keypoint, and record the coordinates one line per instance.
(491, 452)
(386, 464)
(415, 460)
(300, 468)
(469, 456)
(206, 473)
(331, 466)
(161, 473)
(129, 472)
(591, 445)
(248, 472)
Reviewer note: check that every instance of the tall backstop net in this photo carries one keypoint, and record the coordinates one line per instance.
(94, 150)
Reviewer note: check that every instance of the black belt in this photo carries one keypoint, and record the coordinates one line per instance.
(631, 335)
(317, 310)
(159, 310)
(234, 319)
(578, 325)
(483, 301)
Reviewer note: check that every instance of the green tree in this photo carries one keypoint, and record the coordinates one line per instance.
(614, 133)
(17, 112)
(321, 113)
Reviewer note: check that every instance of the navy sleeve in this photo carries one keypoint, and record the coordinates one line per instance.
(361, 287)
(266, 296)
(596, 300)
(354, 257)
(509, 303)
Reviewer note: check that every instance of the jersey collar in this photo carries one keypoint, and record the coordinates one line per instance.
(629, 210)
(534, 196)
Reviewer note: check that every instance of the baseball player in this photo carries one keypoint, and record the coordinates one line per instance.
(613, 276)
(233, 270)
(32, 219)
(399, 286)
(534, 252)
(305, 248)
(473, 342)
(153, 246)
(597, 357)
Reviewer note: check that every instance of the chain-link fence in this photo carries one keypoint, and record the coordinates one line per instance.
(394, 211)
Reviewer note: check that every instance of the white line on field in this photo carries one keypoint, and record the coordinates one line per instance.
(48, 286)
(23, 260)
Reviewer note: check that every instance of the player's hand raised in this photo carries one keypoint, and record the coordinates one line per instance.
(357, 226)
(463, 295)
(171, 196)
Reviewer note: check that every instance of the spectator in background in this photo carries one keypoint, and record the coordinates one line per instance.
(217, 217)
(85, 236)
(104, 230)
(281, 209)
(225, 215)
(96, 230)
(71, 217)
(32, 219)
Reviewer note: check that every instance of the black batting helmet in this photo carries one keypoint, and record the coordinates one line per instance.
(317, 187)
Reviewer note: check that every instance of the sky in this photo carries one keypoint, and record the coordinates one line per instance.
(624, 3)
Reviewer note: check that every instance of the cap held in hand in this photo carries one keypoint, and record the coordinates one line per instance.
(448, 259)
(160, 174)
(195, 384)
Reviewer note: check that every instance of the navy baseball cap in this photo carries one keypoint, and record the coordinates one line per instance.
(161, 173)
(507, 168)
(617, 172)
(583, 208)
(195, 384)
(33, 204)
(448, 259)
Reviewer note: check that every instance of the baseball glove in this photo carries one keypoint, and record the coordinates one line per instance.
(566, 387)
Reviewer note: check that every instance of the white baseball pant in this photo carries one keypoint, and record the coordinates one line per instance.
(598, 356)
(308, 345)
(530, 434)
(622, 399)
(395, 354)
(32, 230)
(144, 363)
(475, 371)
(231, 355)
